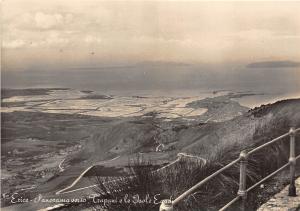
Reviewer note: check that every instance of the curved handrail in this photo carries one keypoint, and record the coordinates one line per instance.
(168, 205)
(192, 189)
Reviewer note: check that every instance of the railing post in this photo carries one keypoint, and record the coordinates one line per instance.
(243, 176)
(166, 205)
(292, 161)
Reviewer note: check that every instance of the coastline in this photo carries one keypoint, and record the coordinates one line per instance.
(105, 129)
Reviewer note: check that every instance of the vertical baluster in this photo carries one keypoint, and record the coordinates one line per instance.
(292, 161)
(243, 176)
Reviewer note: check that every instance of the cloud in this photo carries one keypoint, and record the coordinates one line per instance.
(39, 29)
(156, 30)
(46, 21)
(13, 43)
(55, 38)
(92, 39)
(41, 20)
(50, 21)
(50, 39)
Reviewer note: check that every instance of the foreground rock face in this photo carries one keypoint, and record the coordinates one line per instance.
(282, 202)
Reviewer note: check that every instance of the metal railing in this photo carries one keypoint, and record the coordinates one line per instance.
(168, 205)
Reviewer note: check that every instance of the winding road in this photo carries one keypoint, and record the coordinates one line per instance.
(65, 190)
(81, 175)
(61, 169)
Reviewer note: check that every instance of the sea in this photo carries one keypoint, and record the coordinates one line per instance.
(266, 84)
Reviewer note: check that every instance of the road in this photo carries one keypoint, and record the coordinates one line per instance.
(61, 169)
(82, 174)
(65, 190)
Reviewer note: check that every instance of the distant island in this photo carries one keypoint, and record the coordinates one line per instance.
(273, 64)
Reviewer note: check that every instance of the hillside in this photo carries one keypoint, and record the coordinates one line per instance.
(106, 138)
(218, 143)
(245, 130)
(203, 139)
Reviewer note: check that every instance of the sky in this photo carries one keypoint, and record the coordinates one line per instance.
(73, 33)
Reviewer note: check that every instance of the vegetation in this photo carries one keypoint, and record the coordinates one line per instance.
(218, 142)
(173, 181)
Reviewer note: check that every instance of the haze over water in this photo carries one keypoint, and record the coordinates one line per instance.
(163, 77)
(270, 84)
